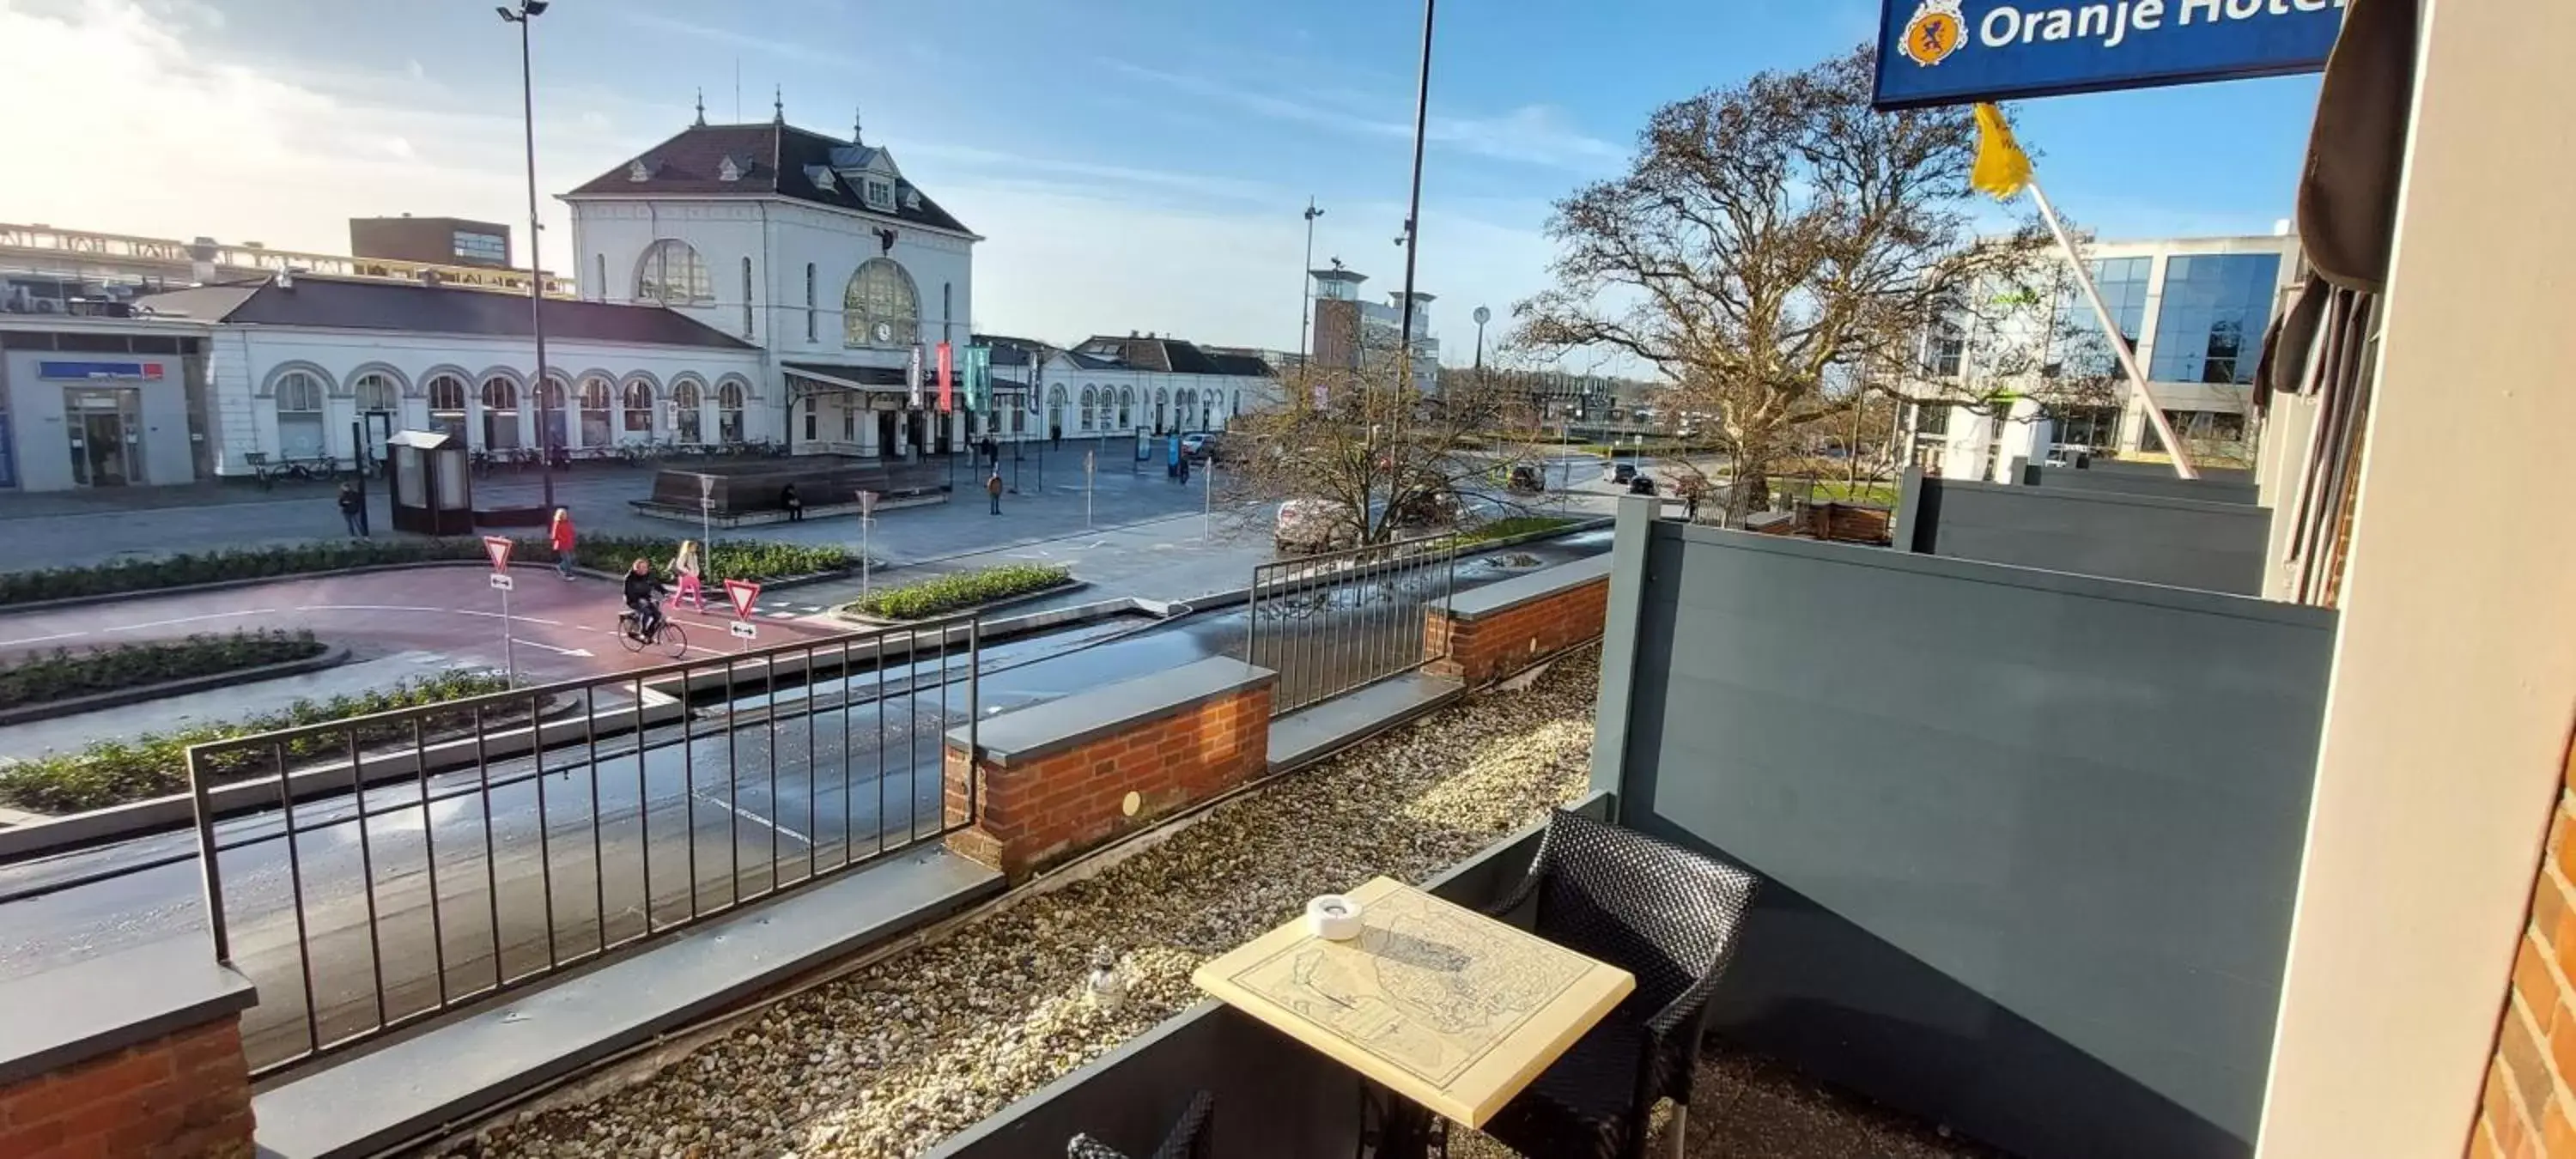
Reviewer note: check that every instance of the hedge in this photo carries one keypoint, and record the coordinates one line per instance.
(63, 674)
(963, 589)
(113, 772)
(728, 558)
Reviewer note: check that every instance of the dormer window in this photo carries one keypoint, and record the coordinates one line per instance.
(911, 198)
(726, 170)
(821, 176)
(880, 193)
(638, 171)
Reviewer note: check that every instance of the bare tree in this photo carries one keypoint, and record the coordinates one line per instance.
(1386, 458)
(1767, 239)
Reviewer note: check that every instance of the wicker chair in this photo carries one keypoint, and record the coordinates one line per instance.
(1188, 1140)
(1669, 916)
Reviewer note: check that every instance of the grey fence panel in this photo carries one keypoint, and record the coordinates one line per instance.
(2213, 486)
(2213, 546)
(2031, 839)
(1334, 622)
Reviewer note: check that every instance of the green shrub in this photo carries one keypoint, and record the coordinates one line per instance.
(1505, 528)
(63, 674)
(113, 772)
(964, 589)
(726, 559)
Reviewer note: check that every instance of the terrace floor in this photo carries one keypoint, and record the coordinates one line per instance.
(925, 1041)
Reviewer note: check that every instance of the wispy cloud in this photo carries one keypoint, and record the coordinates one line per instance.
(1033, 171)
(1532, 134)
(774, 46)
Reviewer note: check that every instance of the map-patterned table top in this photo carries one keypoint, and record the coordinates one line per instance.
(1439, 1003)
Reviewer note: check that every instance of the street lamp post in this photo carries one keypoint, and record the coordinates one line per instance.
(1413, 207)
(1482, 316)
(1304, 273)
(525, 14)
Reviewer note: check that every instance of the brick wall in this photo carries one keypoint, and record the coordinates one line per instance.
(185, 1095)
(1487, 647)
(1035, 813)
(2529, 1109)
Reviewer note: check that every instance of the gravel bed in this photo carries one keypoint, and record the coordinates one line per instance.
(912, 1049)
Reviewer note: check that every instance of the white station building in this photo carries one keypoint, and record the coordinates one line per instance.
(755, 283)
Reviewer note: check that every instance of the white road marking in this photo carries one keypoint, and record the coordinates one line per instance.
(754, 818)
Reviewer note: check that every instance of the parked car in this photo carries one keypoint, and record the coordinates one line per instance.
(1619, 472)
(1641, 485)
(1307, 526)
(1200, 446)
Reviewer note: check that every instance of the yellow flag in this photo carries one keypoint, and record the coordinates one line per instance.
(2002, 168)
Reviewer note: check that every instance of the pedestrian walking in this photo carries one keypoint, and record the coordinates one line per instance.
(795, 506)
(993, 489)
(559, 536)
(993, 450)
(353, 510)
(689, 566)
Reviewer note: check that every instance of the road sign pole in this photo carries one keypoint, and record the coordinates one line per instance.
(497, 549)
(1090, 475)
(509, 650)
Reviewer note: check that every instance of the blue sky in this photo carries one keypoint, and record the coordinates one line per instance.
(1135, 165)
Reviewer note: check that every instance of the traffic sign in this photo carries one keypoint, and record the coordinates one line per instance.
(498, 548)
(743, 593)
(503, 581)
(745, 630)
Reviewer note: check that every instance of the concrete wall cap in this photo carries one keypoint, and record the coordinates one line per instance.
(1028, 733)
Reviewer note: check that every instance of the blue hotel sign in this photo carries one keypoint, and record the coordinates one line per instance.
(1947, 52)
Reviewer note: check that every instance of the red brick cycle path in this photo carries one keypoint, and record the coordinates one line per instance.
(562, 630)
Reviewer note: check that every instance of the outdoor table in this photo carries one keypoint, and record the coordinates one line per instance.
(1450, 1010)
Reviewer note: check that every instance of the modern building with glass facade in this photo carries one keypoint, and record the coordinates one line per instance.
(2193, 309)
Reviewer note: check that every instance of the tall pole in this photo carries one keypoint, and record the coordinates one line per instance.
(1305, 274)
(523, 16)
(1413, 207)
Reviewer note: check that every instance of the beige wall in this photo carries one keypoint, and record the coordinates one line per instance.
(2456, 669)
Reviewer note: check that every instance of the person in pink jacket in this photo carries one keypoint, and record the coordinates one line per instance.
(560, 537)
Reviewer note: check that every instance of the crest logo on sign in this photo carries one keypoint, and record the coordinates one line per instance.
(1937, 30)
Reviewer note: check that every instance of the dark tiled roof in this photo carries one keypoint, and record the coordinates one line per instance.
(1246, 365)
(772, 159)
(1171, 355)
(355, 304)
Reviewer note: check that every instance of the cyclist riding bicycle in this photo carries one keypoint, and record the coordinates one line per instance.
(644, 599)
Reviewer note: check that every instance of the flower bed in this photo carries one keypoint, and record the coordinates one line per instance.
(63, 674)
(966, 589)
(735, 559)
(113, 772)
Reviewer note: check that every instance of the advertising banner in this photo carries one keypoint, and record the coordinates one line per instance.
(1950, 52)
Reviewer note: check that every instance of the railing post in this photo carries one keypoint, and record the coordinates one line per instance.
(208, 862)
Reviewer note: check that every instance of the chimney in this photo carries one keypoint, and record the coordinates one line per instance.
(201, 260)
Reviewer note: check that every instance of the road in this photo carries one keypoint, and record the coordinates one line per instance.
(691, 816)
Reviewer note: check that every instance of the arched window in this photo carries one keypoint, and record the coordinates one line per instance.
(672, 274)
(599, 276)
(639, 408)
(1162, 407)
(746, 297)
(299, 416)
(500, 414)
(1090, 400)
(594, 413)
(1186, 407)
(447, 405)
(375, 393)
(729, 412)
(810, 312)
(881, 308)
(1126, 407)
(550, 413)
(685, 401)
(1055, 410)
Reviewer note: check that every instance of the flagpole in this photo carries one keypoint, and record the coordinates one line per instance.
(2119, 341)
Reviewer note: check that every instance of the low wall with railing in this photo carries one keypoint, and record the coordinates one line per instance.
(1491, 632)
(134, 1053)
(1028, 789)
